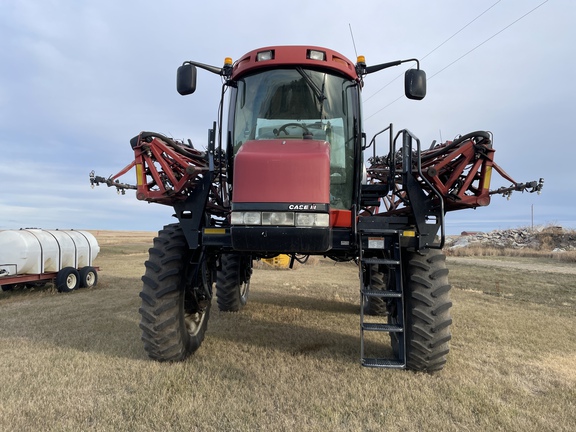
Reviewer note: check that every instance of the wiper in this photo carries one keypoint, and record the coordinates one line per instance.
(317, 91)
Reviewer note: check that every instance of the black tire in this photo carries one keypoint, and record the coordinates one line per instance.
(302, 259)
(427, 310)
(378, 280)
(174, 311)
(88, 277)
(8, 287)
(67, 279)
(233, 282)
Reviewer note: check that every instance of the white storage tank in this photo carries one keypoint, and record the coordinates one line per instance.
(36, 251)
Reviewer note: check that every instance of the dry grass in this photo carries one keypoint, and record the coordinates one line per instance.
(289, 360)
(486, 251)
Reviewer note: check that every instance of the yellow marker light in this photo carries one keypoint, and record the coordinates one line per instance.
(361, 59)
(214, 230)
(409, 233)
(139, 176)
(487, 177)
(228, 61)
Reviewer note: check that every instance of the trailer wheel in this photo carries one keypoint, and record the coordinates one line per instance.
(233, 282)
(67, 279)
(88, 277)
(176, 297)
(427, 310)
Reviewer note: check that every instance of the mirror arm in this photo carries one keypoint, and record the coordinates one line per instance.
(213, 69)
(379, 67)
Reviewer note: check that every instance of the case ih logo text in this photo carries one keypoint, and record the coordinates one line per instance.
(302, 207)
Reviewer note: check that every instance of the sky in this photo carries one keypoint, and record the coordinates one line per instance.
(78, 79)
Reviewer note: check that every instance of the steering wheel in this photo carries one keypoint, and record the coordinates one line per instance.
(283, 129)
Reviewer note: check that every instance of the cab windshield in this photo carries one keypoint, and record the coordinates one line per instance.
(301, 104)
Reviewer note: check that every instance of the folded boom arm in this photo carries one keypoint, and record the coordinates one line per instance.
(459, 171)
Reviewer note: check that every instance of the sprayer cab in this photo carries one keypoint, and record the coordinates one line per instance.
(294, 143)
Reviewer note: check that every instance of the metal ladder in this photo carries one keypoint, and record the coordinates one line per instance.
(373, 241)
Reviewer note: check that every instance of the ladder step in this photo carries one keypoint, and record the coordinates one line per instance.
(380, 231)
(380, 261)
(375, 188)
(383, 363)
(377, 233)
(369, 202)
(390, 328)
(381, 293)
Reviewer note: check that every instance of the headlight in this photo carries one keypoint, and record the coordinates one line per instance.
(316, 55)
(313, 219)
(252, 218)
(246, 218)
(278, 218)
(265, 55)
(237, 218)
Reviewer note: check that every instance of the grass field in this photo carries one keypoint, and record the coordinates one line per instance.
(290, 359)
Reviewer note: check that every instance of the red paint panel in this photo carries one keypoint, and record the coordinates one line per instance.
(282, 171)
(341, 218)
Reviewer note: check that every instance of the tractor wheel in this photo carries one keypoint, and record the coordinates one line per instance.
(176, 297)
(233, 282)
(427, 310)
(88, 277)
(378, 281)
(67, 279)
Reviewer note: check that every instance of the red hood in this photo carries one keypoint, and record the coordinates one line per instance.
(282, 171)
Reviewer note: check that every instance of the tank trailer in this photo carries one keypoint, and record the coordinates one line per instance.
(35, 257)
(287, 175)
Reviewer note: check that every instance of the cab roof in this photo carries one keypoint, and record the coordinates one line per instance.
(293, 55)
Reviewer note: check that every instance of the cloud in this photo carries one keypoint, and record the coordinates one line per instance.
(82, 78)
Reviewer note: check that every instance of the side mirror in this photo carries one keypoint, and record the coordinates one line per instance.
(415, 84)
(186, 79)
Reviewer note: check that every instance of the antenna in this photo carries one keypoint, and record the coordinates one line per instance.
(353, 42)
